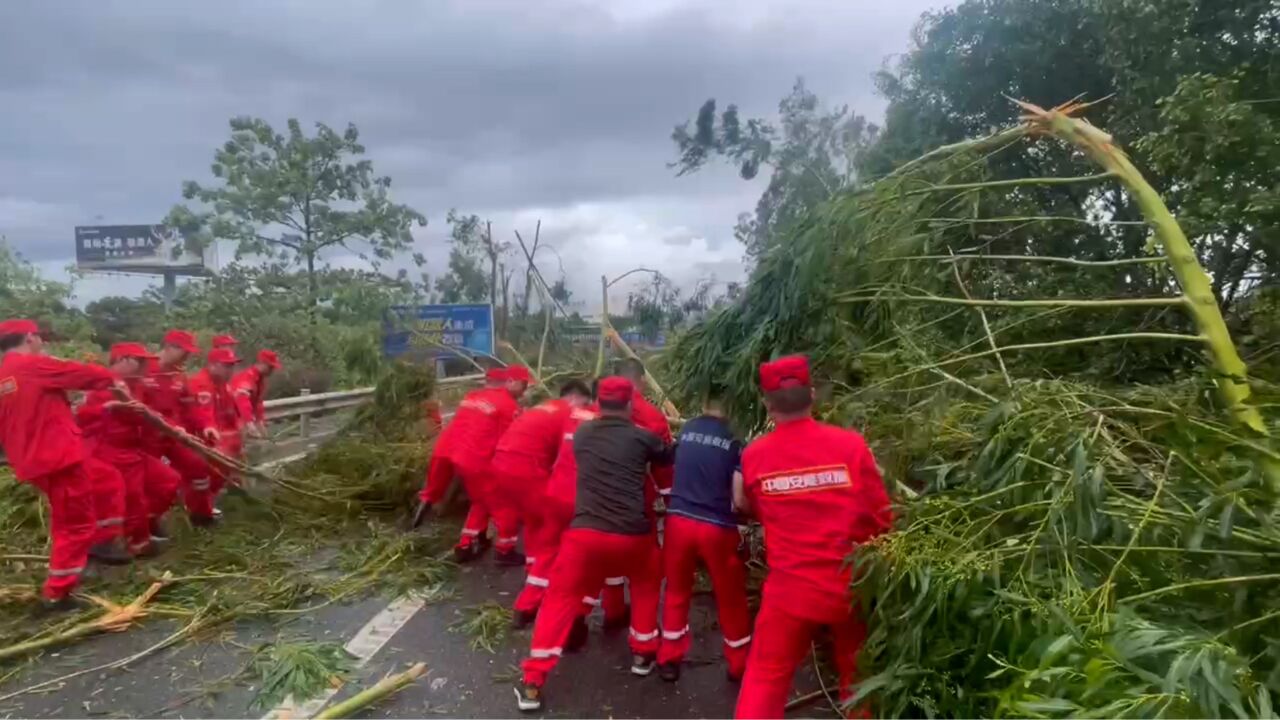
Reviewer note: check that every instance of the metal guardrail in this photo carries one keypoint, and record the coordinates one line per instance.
(304, 405)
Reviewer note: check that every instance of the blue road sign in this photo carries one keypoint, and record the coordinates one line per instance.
(438, 331)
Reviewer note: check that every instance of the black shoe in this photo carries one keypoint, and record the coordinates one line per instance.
(483, 543)
(669, 671)
(420, 514)
(110, 553)
(642, 665)
(509, 558)
(204, 521)
(66, 603)
(577, 636)
(466, 553)
(523, 618)
(159, 531)
(529, 698)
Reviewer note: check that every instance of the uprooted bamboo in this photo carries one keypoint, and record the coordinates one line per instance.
(668, 408)
(1232, 383)
(116, 619)
(384, 687)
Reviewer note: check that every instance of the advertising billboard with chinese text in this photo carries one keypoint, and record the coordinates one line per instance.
(134, 248)
(438, 331)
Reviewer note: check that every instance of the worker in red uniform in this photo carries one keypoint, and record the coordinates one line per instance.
(165, 390)
(646, 415)
(113, 432)
(818, 493)
(224, 341)
(249, 388)
(555, 513)
(523, 458)
(43, 446)
(611, 535)
(702, 528)
(440, 470)
(212, 415)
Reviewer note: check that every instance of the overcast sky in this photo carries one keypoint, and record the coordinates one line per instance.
(519, 110)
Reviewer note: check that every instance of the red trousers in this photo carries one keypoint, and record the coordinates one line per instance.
(519, 496)
(161, 483)
(110, 499)
(200, 493)
(439, 474)
(71, 527)
(149, 489)
(194, 476)
(687, 543)
(542, 542)
(586, 558)
(782, 641)
(479, 482)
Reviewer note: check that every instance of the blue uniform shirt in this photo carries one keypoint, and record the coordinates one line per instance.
(707, 455)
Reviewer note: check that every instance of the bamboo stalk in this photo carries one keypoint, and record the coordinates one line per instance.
(1233, 382)
(1029, 258)
(986, 326)
(1031, 219)
(854, 297)
(369, 696)
(604, 324)
(115, 619)
(668, 407)
(546, 328)
(1009, 183)
(998, 141)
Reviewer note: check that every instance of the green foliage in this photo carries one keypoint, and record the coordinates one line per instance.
(487, 625)
(24, 293)
(294, 197)
(300, 670)
(812, 151)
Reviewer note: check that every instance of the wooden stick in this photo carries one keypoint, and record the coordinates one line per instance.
(369, 696)
(668, 407)
(115, 619)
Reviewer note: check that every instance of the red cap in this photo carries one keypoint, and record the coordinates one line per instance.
(19, 327)
(615, 389)
(223, 356)
(495, 374)
(225, 341)
(519, 373)
(269, 358)
(182, 339)
(130, 350)
(785, 372)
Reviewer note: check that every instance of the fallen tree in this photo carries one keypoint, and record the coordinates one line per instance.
(1072, 540)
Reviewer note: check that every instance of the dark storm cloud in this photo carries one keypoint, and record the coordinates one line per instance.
(492, 107)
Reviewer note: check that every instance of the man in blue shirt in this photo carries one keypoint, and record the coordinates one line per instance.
(701, 526)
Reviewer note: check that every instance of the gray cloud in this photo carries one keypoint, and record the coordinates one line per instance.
(557, 108)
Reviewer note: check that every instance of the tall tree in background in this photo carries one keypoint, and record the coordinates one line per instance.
(292, 198)
(477, 266)
(1192, 88)
(813, 153)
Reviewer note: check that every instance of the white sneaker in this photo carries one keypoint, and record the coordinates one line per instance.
(528, 698)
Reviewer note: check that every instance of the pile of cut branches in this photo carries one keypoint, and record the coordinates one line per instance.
(1086, 478)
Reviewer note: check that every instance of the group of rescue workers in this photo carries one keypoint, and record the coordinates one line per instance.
(109, 469)
(581, 475)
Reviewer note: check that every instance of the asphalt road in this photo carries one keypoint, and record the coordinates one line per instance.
(203, 678)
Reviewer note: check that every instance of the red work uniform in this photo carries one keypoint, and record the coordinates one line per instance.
(555, 512)
(646, 415)
(522, 462)
(114, 437)
(248, 389)
(701, 528)
(43, 446)
(440, 470)
(611, 535)
(481, 418)
(210, 406)
(166, 391)
(818, 494)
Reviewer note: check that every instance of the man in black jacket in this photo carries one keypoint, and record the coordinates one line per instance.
(610, 535)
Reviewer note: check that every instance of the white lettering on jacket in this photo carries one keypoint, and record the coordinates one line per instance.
(789, 482)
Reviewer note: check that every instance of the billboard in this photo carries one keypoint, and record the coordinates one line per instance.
(438, 331)
(134, 248)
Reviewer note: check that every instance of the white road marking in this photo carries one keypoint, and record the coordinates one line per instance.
(367, 642)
